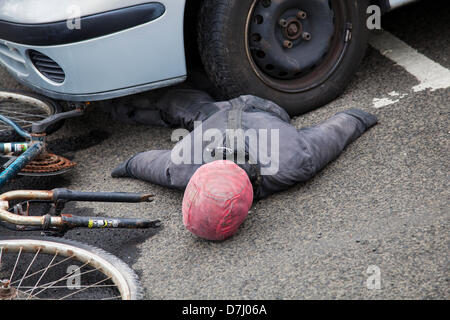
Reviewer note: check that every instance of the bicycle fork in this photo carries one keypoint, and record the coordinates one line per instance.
(64, 222)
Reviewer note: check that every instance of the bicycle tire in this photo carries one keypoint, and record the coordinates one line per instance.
(42, 106)
(121, 274)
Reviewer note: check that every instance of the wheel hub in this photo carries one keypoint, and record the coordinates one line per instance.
(6, 291)
(293, 30)
(288, 38)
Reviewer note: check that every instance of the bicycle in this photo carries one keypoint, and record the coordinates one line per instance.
(113, 273)
(105, 276)
(31, 158)
(25, 108)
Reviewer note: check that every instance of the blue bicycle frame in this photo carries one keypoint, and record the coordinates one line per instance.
(28, 151)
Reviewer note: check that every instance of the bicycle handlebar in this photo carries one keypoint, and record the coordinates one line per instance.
(42, 126)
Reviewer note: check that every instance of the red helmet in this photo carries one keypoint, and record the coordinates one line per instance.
(217, 200)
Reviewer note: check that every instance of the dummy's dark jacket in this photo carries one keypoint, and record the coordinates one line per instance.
(302, 153)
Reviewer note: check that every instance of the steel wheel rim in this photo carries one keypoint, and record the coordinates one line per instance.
(315, 76)
(22, 109)
(62, 250)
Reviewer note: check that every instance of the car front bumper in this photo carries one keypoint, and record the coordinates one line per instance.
(113, 53)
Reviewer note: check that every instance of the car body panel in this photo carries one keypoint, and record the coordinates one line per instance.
(144, 57)
(45, 11)
(393, 4)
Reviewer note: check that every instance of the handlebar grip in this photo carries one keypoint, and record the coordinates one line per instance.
(69, 195)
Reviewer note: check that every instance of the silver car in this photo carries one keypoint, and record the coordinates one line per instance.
(299, 53)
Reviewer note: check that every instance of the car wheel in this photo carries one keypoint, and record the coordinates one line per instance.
(300, 54)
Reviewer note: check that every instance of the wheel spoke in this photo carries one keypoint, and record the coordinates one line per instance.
(50, 284)
(22, 295)
(45, 271)
(95, 277)
(29, 266)
(87, 287)
(18, 120)
(15, 265)
(24, 111)
(65, 287)
(6, 114)
(113, 298)
(68, 258)
(21, 107)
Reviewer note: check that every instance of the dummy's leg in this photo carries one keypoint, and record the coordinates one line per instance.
(178, 107)
(327, 140)
(181, 107)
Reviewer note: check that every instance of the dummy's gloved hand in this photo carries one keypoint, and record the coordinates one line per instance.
(121, 171)
(368, 119)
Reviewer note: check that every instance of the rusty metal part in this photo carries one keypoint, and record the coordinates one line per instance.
(9, 217)
(48, 163)
(60, 221)
(38, 136)
(283, 23)
(148, 197)
(293, 29)
(287, 44)
(306, 36)
(30, 220)
(302, 15)
(6, 291)
(25, 195)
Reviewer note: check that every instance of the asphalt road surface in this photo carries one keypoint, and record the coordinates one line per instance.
(382, 205)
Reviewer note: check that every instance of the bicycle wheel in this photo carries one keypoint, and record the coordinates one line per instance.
(61, 269)
(25, 108)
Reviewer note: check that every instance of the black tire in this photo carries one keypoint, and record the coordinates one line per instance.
(51, 108)
(132, 282)
(224, 49)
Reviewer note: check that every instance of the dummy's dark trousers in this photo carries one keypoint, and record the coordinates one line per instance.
(301, 153)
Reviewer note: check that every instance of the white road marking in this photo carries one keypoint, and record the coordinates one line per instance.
(383, 102)
(396, 94)
(430, 74)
